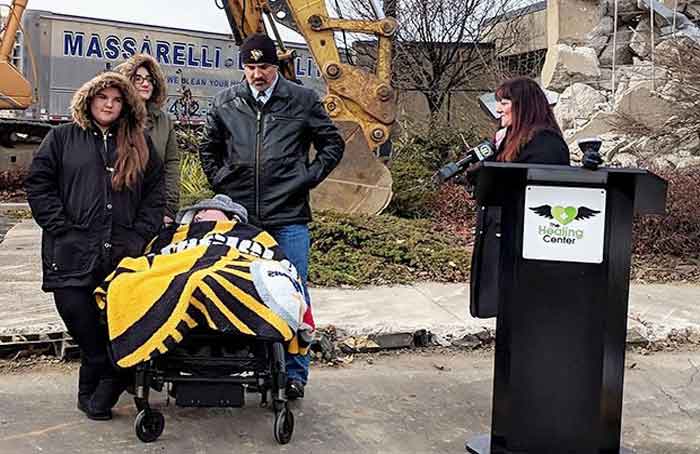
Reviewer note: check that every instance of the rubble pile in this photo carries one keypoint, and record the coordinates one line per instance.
(635, 111)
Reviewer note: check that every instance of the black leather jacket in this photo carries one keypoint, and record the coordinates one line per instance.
(260, 158)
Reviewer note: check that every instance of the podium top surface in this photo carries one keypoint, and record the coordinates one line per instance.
(497, 181)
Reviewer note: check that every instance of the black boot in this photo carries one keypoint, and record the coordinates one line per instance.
(107, 394)
(88, 380)
(92, 413)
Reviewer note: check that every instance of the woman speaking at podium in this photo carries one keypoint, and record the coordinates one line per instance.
(529, 132)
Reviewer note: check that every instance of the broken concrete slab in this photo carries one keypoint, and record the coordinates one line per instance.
(569, 21)
(577, 104)
(643, 105)
(600, 124)
(666, 14)
(640, 41)
(623, 53)
(565, 65)
(468, 341)
(598, 37)
(394, 340)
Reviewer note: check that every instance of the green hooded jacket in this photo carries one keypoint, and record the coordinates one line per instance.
(160, 128)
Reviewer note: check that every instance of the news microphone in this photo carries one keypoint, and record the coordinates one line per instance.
(484, 150)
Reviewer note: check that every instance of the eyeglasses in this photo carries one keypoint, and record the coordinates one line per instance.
(138, 79)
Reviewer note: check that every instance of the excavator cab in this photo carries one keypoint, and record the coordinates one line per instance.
(361, 103)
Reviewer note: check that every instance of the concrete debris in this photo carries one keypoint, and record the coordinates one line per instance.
(641, 97)
(441, 341)
(565, 65)
(577, 104)
(645, 106)
(355, 344)
(469, 341)
(394, 341)
(640, 41)
(486, 336)
(599, 36)
(322, 344)
(600, 124)
(625, 160)
(635, 336)
(623, 53)
(422, 338)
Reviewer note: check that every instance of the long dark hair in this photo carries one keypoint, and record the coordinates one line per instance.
(531, 114)
(132, 156)
(132, 148)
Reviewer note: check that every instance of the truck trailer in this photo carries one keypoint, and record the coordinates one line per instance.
(57, 53)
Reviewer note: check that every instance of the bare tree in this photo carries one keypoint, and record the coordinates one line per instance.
(681, 59)
(447, 45)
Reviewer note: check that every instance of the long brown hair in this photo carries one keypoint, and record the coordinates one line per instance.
(531, 113)
(132, 154)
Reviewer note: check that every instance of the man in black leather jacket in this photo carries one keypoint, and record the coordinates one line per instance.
(256, 150)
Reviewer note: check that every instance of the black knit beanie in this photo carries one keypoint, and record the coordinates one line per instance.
(258, 49)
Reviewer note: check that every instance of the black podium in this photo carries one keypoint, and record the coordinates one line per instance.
(563, 285)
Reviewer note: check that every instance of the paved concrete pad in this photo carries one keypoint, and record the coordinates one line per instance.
(655, 310)
(411, 403)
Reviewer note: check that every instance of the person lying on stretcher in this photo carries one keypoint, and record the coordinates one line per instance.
(211, 269)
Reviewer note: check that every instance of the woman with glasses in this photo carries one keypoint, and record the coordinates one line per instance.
(148, 80)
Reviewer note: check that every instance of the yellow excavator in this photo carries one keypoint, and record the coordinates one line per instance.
(361, 102)
(15, 90)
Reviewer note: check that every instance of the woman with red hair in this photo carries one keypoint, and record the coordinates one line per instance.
(529, 133)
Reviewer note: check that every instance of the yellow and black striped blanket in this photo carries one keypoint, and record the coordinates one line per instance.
(228, 276)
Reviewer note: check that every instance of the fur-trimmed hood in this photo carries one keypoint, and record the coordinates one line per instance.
(129, 68)
(133, 108)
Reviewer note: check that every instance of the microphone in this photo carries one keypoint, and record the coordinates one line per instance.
(479, 153)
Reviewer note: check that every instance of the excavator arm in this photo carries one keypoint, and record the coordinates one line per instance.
(15, 90)
(360, 102)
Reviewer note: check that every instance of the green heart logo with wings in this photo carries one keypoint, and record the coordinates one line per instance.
(564, 215)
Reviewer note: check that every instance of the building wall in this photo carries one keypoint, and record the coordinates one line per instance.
(461, 111)
(521, 53)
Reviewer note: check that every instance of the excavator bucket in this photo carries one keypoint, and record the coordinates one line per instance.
(361, 184)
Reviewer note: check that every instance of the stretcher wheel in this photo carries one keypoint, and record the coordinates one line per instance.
(149, 425)
(284, 426)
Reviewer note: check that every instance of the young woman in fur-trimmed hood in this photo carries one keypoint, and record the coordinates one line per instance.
(145, 74)
(95, 187)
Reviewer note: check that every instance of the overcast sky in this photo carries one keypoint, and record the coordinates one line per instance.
(189, 14)
(201, 15)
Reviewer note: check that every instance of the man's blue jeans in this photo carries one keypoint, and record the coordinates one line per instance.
(295, 241)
